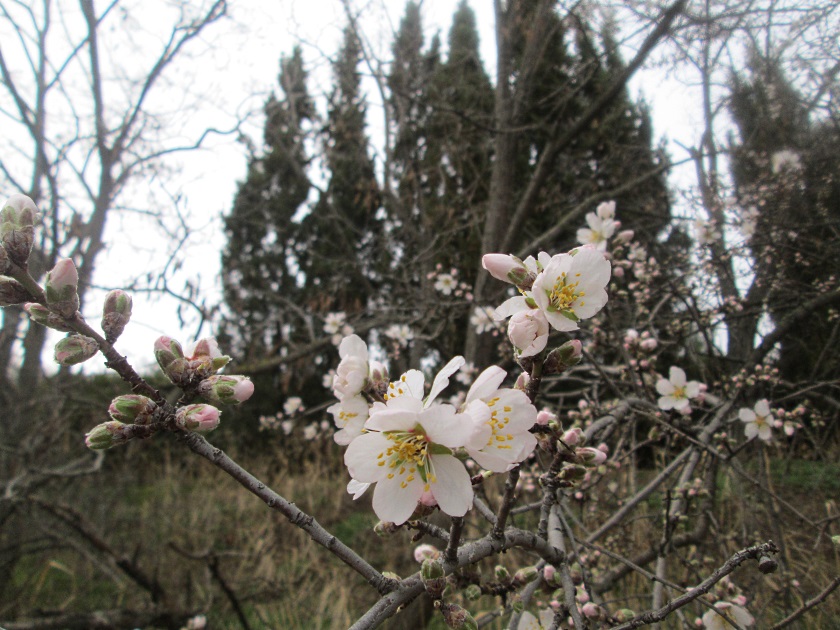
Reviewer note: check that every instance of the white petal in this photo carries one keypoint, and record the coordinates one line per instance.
(357, 488)
(391, 419)
(762, 408)
(353, 346)
(452, 488)
(509, 307)
(765, 432)
(666, 402)
(665, 387)
(444, 426)
(486, 383)
(442, 378)
(394, 503)
(677, 376)
(362, 457)
(746, 415)
(751, 430)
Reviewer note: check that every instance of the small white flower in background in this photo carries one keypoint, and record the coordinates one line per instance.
(724, 613)
(528, 622)
(292, 405)
(785, 160)
(349, 416)
(758, 421)
(749, 222)
(606, 210)
(466, 373)
(287, 426)
(333, 322)
(400, 333)
(446, 283)
(600, 229)
(310, 432)
(199, 622)
(327, 380)
(674, 391)
(706, 232)
(482, 319)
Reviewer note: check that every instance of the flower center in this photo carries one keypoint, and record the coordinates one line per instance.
(407, 456)
(498, 425)
(564, 294)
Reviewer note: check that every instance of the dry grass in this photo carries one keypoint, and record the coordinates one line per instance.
(172, 512)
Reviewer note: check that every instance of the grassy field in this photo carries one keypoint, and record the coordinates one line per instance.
(197, 533)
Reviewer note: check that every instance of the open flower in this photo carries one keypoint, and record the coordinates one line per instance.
(407, 453)
(502, 419)
(571, 287)
(349, 416)
(758, 421)
(601, 228)
(727, 616)
(675, 392)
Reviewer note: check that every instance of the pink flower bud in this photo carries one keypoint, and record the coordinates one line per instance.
(106, 435)
(590, 456)
(426, 552)
(226, 390)
(625, 236)
(528, 332)
(590, 610)
(199, 418)
(116, 313)
(649, 344)
(506, 268)
(75, 349)
(170, 358)
(561, 359)
(544, 417)
(206, 358)
(132, 408)
(61, 288)
(573, 436)
(44, 316)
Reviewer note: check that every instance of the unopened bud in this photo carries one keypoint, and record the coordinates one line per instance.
(116, 313)
(561, 359)
(507, 268)
(590, 456)
(457, 617)
(590, 610)
(624, 615)
(132, 408)
(525, 575)
(106, 435)
(385, 528)
(206, 358)
(170, 358)
(378, 379)
(226, 390)
(61, 288)
(574, 437)
(472, 592)
(199, 418)
(12, 292)
(42, 315)
(434, 577)
(75, 349)
(571, 472)
(17, 227)
(623, 237)
(501, 573)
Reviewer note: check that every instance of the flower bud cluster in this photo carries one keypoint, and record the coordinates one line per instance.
(183, 370)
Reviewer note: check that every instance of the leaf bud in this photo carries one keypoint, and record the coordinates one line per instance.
(434, 577)
(132, 408)
(199, 418)
(472, 592)
(75, 349)
(501, 573)
(170, 358)
(116, 313)
(17, 227)
(226, 390)
(61, 288)
(12, 292)
(106, 435)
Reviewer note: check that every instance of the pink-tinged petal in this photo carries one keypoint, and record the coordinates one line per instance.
(443, 426)
(677, 376)
(477, 414)
(394, 500)
(746, 415)
(509, 307)
(451, 486)
(486, 383)
(442, 378)
(362, 457)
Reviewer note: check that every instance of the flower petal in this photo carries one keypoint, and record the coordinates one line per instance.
(451, 487)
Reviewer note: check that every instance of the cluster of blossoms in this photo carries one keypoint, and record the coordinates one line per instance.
(410, 445)
(447, 283)
(602, 226)
(555, 292)
(336, 326)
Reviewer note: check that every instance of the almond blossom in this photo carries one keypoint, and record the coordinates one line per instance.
(727, 616)
(675, 391)
(352, 372)
(502, 419)
(528, 332)
(758, 421)
(600, 229)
